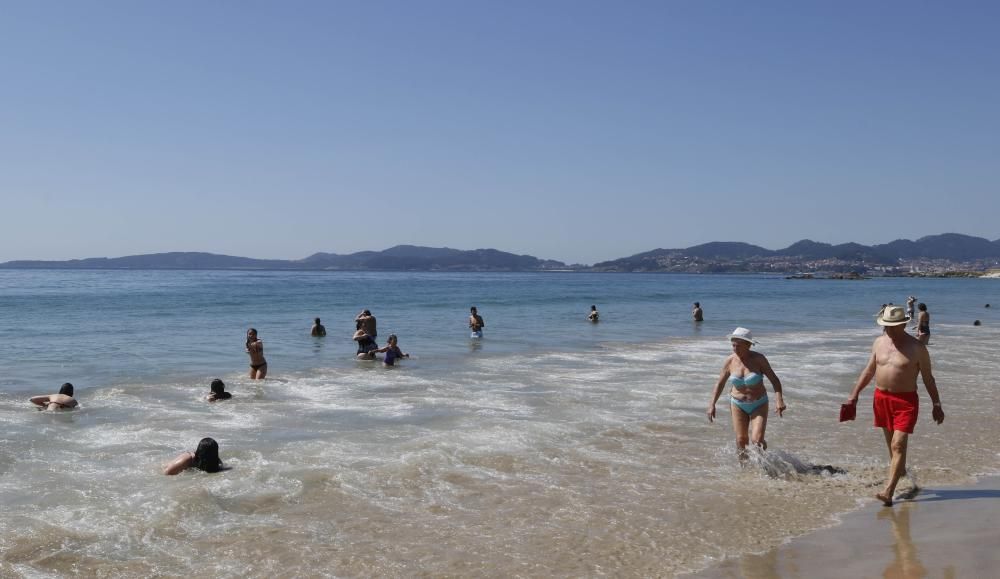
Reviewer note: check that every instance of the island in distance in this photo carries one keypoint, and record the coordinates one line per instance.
(948, 252)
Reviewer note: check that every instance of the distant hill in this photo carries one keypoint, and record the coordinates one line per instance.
(717, 256)
(736, 256)
(401, 257)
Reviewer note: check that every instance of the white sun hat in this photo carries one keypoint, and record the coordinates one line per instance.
(892, 316)
(742, 334)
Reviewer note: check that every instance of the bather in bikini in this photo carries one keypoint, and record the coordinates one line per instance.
(749, 381)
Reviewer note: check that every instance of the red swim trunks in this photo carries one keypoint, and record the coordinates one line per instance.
(896, 410)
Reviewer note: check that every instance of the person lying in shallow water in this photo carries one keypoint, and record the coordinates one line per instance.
(205, 457)
(218, 391)
(62, 401)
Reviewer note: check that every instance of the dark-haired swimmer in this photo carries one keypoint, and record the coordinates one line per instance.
(218, 391)
(62, 401)
(391, 351)
(205, 457)
(593, 315)
(476, 323)
(255, 347)
(318, 330)
(366, 345)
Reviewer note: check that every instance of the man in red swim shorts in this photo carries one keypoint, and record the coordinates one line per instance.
(897, 358)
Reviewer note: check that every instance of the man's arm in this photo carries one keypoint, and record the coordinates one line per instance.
(930, 384)
(40, 400)
(866, 376)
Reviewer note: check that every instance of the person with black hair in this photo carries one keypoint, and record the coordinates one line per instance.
(255, 347)
(205, 457)
(218, 391)
(62, 401)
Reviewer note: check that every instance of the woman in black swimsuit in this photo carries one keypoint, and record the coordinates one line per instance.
(923, 324)
(255, 347)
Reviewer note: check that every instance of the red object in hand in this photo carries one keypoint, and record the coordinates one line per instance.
(848, 412)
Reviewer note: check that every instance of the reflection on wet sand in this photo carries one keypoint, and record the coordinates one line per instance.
(906, 564)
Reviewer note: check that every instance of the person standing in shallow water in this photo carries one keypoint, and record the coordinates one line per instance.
(593, 316)
(255, 347)
(896, 360)
(923, 324)
(366, 321)
(476, 323)
(745, 370)
(696, 312)
(318, 330)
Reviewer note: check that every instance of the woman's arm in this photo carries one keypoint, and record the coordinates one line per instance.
(183, 461)
(717, 391)
(775, 383)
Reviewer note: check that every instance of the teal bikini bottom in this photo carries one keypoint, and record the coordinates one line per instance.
(750, 406)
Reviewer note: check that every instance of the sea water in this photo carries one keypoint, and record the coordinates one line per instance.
(552, 446)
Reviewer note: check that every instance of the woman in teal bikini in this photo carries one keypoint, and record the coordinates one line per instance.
(745, 370)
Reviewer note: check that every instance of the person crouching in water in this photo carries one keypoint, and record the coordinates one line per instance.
(745, 370)
(62, 401)
(391, 351)
(205, 457)
(218, 391)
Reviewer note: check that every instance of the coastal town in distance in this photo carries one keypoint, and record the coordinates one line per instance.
(944, 255)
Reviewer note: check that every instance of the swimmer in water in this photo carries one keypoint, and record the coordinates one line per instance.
(366, 345)
(218, 391)
(318, 330)
(205, 457)
(476, 323)
(62, 401)
(391, 351)
(255, 347)
(593, 315)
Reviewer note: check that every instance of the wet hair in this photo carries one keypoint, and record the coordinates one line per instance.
(218, 386)
(593, 307)
(250, 331)
(697, 304)
(473, 309)
(317, 320)
(987, 305)
(922, 307)
(206, 456)
(366, 312)
(66, 389)
(392, 338)
(977, 323)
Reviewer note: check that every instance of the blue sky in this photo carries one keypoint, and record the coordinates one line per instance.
(578, 131)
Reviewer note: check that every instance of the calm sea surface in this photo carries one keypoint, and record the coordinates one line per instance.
(551, 447)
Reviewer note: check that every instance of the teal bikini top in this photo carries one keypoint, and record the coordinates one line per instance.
(749, 381)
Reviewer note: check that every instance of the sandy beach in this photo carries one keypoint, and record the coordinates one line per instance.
(942, 532)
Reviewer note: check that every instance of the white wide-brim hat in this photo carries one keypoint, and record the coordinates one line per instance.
(742, 334)
(892, 316)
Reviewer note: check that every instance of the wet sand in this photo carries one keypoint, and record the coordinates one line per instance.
(941, 532)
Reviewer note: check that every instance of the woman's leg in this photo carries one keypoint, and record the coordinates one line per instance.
(741, 426)
(758, 423)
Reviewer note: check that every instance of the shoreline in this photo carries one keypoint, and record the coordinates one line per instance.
(947, 531)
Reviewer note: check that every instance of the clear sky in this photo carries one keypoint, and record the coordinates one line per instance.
(570, 130)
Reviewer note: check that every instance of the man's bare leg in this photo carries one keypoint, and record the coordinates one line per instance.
(897, 466)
